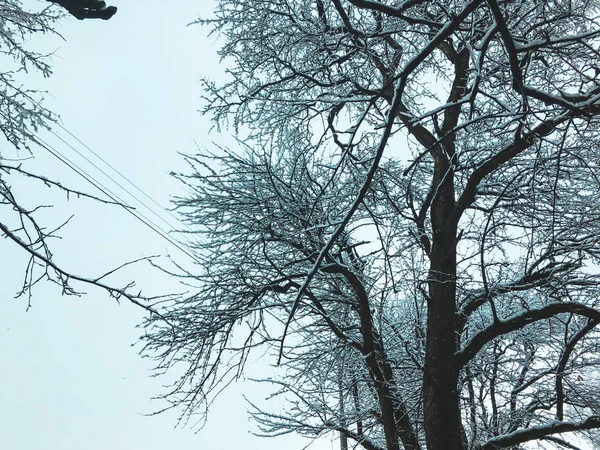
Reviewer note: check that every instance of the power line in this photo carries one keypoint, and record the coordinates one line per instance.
(117, 183)
(122, 176)
(114, 197)
(184, 234)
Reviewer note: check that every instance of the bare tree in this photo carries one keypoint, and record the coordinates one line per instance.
(22, 116)
(412, 228)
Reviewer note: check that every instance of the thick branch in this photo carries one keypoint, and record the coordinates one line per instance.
(422, 134)
(522, 320)
(503, 156)
(539, 432)
(360, 439)
(394, 414)
(525, 283)
(562, 364)
(395, 11)
(509, 45)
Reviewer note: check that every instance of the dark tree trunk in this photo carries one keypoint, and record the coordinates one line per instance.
(440, 384)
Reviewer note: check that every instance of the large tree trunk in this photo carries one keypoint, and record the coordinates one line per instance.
(440, 384)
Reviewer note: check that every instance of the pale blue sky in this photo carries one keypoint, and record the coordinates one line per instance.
(129, 89)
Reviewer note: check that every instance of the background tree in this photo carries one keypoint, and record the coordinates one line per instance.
(22, 117)
(412, 229)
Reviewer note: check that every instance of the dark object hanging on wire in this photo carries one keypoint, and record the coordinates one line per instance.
(87, 9)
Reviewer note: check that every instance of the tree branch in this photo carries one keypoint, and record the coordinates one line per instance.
(520, 321)
(116, 293)
(539, 432)
(506, 154)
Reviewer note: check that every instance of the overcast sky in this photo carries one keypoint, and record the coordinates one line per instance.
(128, 88)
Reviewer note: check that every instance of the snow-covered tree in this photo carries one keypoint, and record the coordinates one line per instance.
(22, 117)
(412, 229)
(21, 113)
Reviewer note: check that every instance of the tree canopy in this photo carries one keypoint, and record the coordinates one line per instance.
(411, 228)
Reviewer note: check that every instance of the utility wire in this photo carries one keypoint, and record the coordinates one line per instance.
(106, 191)
(114, 197)
(119, 184)
(170, 213)
(124, 177)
